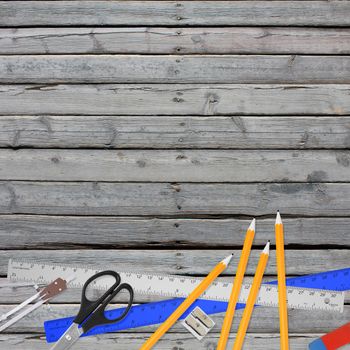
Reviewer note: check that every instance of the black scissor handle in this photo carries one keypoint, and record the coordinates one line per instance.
(88, 306)
(98, 318)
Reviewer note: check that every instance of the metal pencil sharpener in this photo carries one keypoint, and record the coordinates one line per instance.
(198, 323)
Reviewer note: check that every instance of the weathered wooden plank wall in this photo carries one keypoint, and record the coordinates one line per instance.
(147, 134)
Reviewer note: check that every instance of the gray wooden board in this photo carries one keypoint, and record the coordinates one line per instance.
(175, 166)
(130, 13)
(117, 132)
(50, 232)
(173, 99)
(160, 40)
(264, 320)
(42, 69)
(98, 198)
(186, 262)
(154, 132)
(173, 341)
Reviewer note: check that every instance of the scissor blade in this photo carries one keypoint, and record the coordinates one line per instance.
(70, 336)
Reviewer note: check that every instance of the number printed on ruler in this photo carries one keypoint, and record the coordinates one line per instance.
(175, 286)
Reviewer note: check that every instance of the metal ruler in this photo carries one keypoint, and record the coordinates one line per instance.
(157, 312)
(175, 286)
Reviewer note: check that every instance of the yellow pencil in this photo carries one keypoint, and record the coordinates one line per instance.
(236, 288)
(253, 294)
(281, 277)
(194, 295)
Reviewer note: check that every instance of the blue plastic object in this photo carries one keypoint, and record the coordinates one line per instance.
(317, 345)
(157, 312)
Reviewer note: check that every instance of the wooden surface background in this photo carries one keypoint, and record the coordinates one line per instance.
(145, 135)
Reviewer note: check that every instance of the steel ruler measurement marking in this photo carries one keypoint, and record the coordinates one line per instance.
(175, 286)
(157, 312)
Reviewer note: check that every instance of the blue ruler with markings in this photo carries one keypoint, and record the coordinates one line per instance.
(157, 312)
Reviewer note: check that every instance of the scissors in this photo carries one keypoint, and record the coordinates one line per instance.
(91, 313)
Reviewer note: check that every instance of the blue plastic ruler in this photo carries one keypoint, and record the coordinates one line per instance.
(157, 312)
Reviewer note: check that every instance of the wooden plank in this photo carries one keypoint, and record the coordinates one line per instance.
(173, 341)
(264, 320)
(175, 166)
(224, 13)
(50, 232)
(160, 40)
(184, 262)
(52, 69)
(96, 198)
(172, 99)
(116, 132)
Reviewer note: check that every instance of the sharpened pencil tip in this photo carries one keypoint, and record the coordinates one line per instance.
(252, 226)
(278, 218)
(227, 260)
(267, 248)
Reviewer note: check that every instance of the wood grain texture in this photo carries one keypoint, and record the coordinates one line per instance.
(173, 99)
(184, 262)
(51, 232)
(98, 198)
(116, 132)
(130, 13)
(175, 166)
(264, 320)
(173, 341)
(153, 131)
(183, 40)
(291, 69)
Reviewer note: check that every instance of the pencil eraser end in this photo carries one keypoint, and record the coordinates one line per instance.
(317, 345)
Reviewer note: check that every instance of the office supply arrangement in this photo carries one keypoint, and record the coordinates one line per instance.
(281, 278)
(194, 299)
(157, 312)
(333, 340)
(92, 313)
(41, 297)
(253, 294)
(178, 287)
